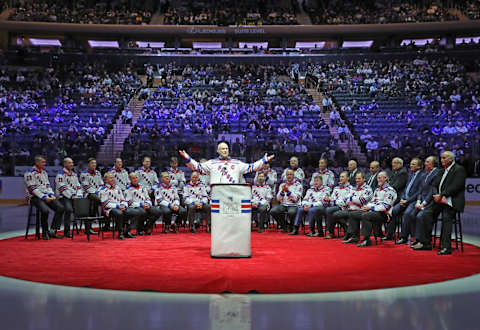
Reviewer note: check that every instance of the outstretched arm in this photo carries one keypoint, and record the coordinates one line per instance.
(253, 167)
(193, 164)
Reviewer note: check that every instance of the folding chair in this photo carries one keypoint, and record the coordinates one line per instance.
(81, 212)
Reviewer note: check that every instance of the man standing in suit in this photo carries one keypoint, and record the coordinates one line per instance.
(449, 198)
(352, 171)
(372, 177)
(409, 197)
(398, 181)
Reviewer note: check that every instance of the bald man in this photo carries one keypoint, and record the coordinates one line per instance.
(225, 169)
(67, 187)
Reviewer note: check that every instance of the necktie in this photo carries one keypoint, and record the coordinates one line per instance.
(410, 184)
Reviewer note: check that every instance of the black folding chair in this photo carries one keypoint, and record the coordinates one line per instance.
(81, 212)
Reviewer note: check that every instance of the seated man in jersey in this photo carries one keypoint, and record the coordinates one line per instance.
(122, 179)
(262, 195)
(92, 182)
(67, 188)
(313, 205)
(290, 196)
(196, 201)
(328, 178)
(41, 195)
(166, 197)
(297, 171)
(177, 177)
(338, 202)
(379, 209)
(115, 205)
(360, 195)
(147, 177)
(138, 198)
(269, 175)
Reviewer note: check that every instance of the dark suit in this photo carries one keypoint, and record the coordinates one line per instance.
(351, 177)
(453, 186)
(414, 184)
(372, 181)
(398, 180)
(425, 197)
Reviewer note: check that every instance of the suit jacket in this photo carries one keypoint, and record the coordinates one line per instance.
(398, 180)
(351, 179)
(374, 183)
(414, 188)
(453, 186)
(426, 189)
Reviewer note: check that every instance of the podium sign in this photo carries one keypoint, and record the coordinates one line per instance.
(231, 221)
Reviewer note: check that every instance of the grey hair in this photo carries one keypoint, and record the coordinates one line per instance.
(399, 160)
(385, 173)
(449, 155)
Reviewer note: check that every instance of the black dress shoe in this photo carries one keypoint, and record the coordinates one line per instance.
(192, 230)
(120, 236)
(260, 230)
(294, 232)
(53, 234)
(351, 240)
(402, 241)
(310, 234)
(387, 238)
(129, 235)
(445, 251)
(346, 237)
(92, 232)
(148, 233)
(67, 235)
(45, 237)
(365, 243)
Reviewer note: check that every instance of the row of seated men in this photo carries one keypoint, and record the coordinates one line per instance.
(380, 198)
(133, 200)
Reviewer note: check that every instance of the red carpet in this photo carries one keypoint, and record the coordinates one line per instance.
(182, 263)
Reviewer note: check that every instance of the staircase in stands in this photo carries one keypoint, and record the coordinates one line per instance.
(351, 143)
(112, 146)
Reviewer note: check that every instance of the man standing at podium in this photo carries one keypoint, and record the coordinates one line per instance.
(224, 169)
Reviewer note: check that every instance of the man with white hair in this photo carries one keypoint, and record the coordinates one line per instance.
(398, 181)
(262, 195)
(379, 209)
(166, 197)
(225, 169)
(297, 171)
(290, 197)
(449, 198)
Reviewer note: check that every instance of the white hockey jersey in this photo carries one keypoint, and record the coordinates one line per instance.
(383, 199)
(37, 183)
(315, 196)
(137, 196)
(328, 177)
(177, 179)
(195, 193)
(225, 170)
(340, 194)
(112, 198)
(270, 179)
(262, 194)
(359, 196)
(91, 182)
(166, 195)
(299, 175)
(147, 178)
(294, 195)
(67, 185)
(121, 178)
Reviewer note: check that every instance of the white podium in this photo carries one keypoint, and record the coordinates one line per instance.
(231, 221)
